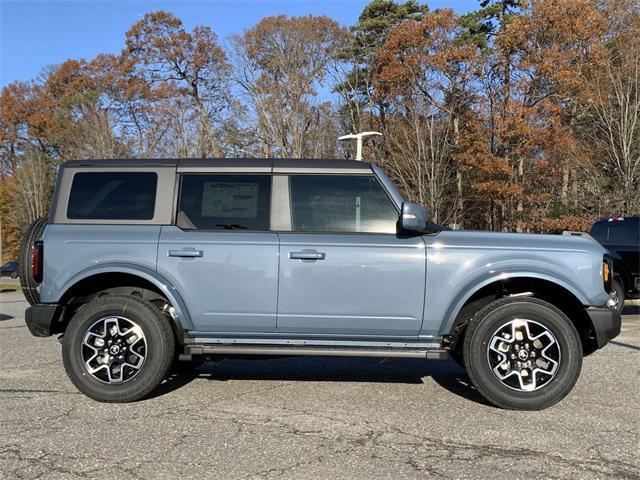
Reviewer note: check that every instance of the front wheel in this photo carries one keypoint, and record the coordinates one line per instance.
(522, 353)
(617, 294)
(118, 348)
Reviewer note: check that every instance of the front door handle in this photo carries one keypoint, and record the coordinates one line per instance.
(184, 252)
(307, 255)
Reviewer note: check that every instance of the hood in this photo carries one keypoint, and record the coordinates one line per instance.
(515, 241)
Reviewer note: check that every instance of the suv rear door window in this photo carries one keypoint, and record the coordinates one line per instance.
(341, 204)
(624, 232)
(224, 202)
(112, 196)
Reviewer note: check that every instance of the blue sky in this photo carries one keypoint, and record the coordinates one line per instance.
(38, 33)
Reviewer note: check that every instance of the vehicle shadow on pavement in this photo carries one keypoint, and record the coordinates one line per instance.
(631, 310)
(4, 316)
(447, 374)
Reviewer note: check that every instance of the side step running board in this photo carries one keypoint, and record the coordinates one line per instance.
(433, 354)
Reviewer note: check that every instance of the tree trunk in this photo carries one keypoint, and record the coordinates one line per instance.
(564, 191)
(520, 203)
(459, 218)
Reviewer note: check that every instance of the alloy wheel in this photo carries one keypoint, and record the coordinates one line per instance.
(114, 349)
(524, 355)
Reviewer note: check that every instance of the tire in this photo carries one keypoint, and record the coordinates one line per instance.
(14, 275)
(29, 286)
(560, 354)
(618, 290)
(156, 347)
(457, 356)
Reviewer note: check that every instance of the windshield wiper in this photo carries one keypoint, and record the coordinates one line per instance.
(232, 226)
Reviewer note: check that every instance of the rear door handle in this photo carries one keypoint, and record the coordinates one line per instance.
(307, 255)
(186, 252)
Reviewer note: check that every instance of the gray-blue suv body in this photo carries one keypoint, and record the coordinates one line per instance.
(145, 262)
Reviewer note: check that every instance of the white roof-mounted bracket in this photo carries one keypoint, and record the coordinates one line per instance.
(359, 137)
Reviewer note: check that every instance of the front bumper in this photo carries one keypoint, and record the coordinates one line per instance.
(44, 319)
(606, 323)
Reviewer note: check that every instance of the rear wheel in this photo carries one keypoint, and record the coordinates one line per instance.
(522, 354)
(118, 348)
(29, 285)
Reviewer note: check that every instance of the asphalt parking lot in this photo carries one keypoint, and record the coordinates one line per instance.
(312, 418)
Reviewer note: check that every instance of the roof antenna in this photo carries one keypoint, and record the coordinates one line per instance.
(359, 137)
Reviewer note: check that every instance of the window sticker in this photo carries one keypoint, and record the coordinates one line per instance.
(222, 199)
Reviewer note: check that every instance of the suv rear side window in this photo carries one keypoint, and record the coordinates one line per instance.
(112, 196)
(341, 204)
(230, 202)
(625, 232)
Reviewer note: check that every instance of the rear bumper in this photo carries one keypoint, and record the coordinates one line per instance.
(606, 323)
(43, 320)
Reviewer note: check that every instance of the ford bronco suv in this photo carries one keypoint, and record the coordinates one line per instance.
(145, 262)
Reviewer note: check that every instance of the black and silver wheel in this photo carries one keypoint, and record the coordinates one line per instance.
(114, 349)
(522, 353)
(617, 294)
(118, 348)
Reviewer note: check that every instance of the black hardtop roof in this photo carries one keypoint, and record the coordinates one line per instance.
(281, 163)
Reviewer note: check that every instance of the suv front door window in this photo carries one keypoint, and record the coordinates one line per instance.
(341, 204)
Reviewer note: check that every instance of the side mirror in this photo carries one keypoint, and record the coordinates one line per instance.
(413, 217)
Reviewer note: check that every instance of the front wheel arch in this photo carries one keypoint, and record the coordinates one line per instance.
(548, 291)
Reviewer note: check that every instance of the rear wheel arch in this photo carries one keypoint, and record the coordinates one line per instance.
(125, 281)
(557, 295)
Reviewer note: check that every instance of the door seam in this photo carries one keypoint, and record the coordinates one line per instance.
(278, 283)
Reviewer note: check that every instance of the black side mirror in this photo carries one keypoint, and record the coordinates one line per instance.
(413, 217)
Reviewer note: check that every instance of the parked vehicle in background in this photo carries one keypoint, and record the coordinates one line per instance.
(621, 236)
(143, 259)
(9, 269)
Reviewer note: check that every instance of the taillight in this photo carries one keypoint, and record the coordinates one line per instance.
(37, 260)
(607, 274)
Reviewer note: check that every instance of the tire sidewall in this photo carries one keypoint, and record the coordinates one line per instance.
(152, 371)
(570, 357)
(619, 289)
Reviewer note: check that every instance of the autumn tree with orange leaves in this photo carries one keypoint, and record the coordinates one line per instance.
(425, 77)
(523, 115)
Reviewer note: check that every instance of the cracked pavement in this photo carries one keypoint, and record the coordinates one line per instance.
(312, 418)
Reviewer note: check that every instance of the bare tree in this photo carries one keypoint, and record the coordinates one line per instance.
(30, 189)
(193, 63)
(281, 64)
(616, 104)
